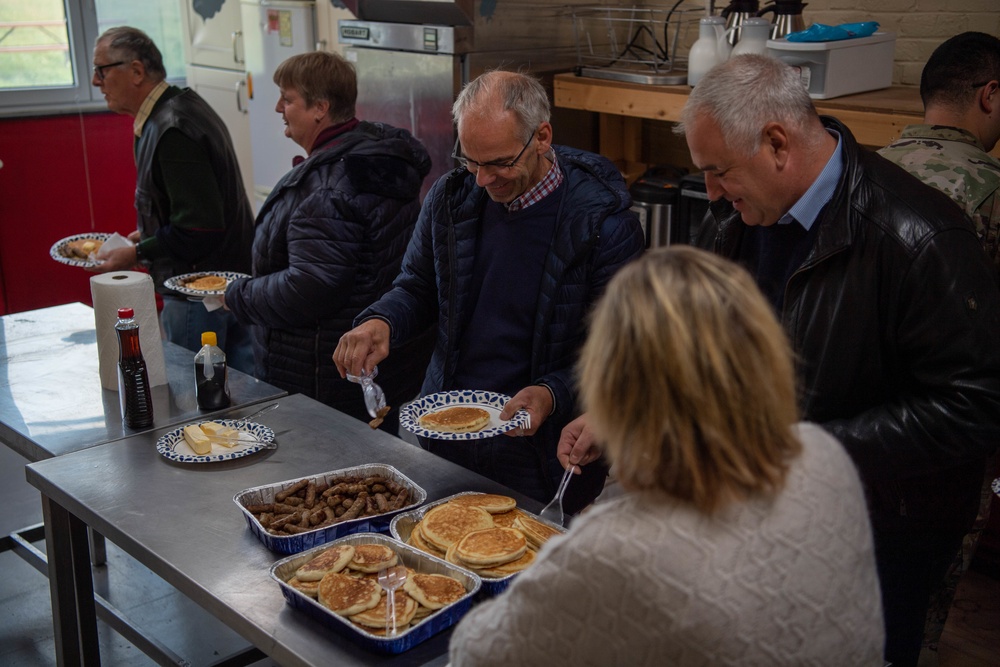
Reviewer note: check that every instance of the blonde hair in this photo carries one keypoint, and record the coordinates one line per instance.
(688, 380)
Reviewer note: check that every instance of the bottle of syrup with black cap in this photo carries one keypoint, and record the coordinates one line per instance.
(134, 392)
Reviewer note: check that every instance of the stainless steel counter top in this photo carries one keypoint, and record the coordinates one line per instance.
(180, 521)
(51, 398)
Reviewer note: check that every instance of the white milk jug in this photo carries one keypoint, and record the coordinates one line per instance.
(753, 37)
(710, 49)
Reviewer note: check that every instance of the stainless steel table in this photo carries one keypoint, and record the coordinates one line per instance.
(51, 398)
(52, 403)
(180, 521)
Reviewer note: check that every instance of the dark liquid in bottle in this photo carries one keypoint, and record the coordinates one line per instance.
(211, 391)
(135, 393)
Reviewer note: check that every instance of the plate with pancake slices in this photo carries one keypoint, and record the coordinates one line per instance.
(464, 414)
(337, 584)
(75, 250)
(211, 441)
(484, 533)
(299, 514)
(205, 283)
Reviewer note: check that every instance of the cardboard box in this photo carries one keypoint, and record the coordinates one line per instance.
(844, 67)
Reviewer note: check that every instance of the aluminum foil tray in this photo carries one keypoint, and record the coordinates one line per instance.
(403, 523)
(292, 544)
(406, 639)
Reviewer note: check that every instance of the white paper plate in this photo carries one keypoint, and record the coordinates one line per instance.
(58, 249)
(256, 437)
(490, 401)
(176, 283)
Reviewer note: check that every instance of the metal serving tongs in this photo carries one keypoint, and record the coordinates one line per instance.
(238, 426)
(374, 396)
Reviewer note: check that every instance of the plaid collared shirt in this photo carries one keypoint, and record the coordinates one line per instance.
(553, 179)
(147, 107)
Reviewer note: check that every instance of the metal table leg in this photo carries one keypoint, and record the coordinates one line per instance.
(72, 587)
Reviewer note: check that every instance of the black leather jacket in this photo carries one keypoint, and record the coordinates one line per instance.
(895, 318)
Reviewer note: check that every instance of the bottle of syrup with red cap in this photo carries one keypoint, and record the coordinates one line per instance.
(134, 392)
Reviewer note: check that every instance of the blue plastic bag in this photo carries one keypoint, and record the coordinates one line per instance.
(818, 32)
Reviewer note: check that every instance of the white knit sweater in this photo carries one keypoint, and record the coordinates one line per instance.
(644, 580)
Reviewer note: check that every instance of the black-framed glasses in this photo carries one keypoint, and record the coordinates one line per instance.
(99, 69)
(472, 165)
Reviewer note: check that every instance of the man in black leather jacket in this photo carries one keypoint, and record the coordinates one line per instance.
(890, 304)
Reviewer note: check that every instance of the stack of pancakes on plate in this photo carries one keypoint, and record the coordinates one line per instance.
(344, 579)
(482, 532)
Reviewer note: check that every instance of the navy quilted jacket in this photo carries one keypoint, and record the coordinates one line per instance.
(329, 241)
(596, 234)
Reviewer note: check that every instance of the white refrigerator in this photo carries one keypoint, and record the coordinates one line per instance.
(273, 30)
(215, 70)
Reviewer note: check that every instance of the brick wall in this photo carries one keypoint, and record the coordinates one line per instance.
(920, 25)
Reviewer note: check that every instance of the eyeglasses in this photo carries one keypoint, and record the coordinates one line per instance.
(99, 69)
(474, 166)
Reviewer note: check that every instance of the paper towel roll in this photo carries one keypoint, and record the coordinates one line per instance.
(126, 289)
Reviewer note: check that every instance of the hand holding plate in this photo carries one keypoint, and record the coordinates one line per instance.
(537, 401)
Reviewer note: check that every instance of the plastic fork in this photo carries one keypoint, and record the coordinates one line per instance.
(554, 510)
(374, 396)
(390, 579)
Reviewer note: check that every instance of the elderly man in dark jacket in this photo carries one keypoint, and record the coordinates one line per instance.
(890, 304)
(508, 256)
(330, 238)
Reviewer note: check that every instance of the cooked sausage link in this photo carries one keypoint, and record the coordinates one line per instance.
(257, 509)
(280, 522)
(380, 500)
(358, 506)
(290, 491)
(401, 498)
(283, 508)
(310, 500)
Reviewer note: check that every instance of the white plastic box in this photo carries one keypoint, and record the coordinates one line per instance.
(844, 67)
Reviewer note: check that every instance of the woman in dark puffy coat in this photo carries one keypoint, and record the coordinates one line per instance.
(330, 239)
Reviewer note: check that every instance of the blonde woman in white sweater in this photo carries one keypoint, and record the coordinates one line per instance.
(742, 537)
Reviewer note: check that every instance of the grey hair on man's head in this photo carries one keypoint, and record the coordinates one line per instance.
(519, 93)
(127, 44)
(744, 94)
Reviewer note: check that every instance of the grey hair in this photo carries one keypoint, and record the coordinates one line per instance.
(128, 44)
(517, 92)
(744, 94)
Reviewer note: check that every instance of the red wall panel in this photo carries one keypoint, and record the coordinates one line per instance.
(61, 175)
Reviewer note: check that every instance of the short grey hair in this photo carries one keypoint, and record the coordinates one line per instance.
(127, 44)
(744, 94)
(514, 91)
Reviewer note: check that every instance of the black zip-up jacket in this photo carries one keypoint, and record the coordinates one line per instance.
(895, 318)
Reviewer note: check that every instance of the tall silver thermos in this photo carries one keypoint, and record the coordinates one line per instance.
(787, 17)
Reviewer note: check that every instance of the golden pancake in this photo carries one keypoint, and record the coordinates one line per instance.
(346, 596)
(506, 520)
(309, 588)
(434, 591)
(537, 532)
(209, 283)
(458, 419)
(491, 502)
(380, 632)
(445, 524)
(417, 541)
(491, 547)
(375, 617)
(372, 558)
(507, 569)
(334, 559)
(422, 613)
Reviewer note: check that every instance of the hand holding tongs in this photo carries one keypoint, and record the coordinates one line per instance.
(374, 396)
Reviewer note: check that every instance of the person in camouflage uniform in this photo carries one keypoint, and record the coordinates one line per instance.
(960, 89)
(950, 152)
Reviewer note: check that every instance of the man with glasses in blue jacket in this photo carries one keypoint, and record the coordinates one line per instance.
(508, 256)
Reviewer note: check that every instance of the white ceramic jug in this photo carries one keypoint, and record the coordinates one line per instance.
(753, 37)
(710, 49)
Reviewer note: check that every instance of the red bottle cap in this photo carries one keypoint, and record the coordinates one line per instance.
(125, 313)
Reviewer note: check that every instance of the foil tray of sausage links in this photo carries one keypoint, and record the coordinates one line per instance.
(402, 525)
(405, 639)
(291, 544)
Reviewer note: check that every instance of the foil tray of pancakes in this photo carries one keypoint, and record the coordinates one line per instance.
(402, 525)
(405, 639)
(292, 544)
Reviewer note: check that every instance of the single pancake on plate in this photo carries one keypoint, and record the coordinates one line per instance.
(457, 419)
(208, 283)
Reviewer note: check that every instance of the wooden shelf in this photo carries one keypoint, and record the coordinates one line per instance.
(876, 118)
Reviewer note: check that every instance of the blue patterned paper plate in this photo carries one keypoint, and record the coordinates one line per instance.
(60, 249)
(174, 447)
(492, 402)
(179, 283)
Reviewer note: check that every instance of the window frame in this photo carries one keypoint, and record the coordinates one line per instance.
(82, 32)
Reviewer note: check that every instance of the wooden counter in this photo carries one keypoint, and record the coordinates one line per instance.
(876, 118)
